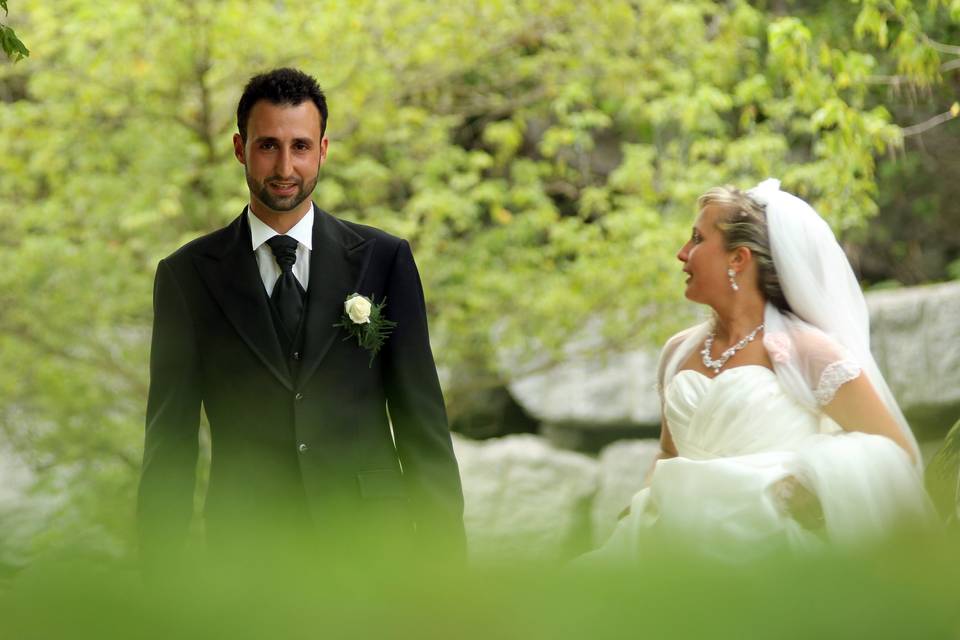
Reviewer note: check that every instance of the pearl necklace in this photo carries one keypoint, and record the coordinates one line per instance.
(717, 364)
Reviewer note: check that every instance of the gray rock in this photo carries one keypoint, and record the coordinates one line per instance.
(620, 389)
(915, 338)
(623, 467)
(525, 500)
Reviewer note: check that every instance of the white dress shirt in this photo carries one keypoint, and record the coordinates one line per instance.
(302, 232)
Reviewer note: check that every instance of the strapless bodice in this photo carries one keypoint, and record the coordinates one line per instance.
(743, 410)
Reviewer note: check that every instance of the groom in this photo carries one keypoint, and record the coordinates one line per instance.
(318, 438)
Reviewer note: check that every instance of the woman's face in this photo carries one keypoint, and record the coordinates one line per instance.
(705, 259)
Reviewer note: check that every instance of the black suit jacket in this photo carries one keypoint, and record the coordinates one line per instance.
(312, 453)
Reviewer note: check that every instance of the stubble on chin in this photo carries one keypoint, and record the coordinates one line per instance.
(280, 205)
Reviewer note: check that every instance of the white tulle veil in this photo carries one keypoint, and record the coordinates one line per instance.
(824, 341)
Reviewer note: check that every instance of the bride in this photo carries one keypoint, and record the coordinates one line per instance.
(778, 429)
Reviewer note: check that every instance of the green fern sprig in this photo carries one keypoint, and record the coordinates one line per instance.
(370, 335)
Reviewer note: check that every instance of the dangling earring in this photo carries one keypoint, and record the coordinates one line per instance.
(733, 279)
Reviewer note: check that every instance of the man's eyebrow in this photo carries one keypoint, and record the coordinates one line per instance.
(305, 140)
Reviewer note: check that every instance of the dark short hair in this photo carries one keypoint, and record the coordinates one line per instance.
(280, 86)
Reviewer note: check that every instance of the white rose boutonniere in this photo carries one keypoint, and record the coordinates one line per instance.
(364, 320)
(358, 309)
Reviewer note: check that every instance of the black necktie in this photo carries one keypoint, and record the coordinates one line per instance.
(287, 296)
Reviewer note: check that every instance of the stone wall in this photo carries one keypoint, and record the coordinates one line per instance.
(915, 334)
(521, 489)
(527, 500)
(915, 338)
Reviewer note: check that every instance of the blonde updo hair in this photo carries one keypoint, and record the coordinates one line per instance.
(743, 223)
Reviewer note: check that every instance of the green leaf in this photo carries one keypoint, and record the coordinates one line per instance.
(11, 44)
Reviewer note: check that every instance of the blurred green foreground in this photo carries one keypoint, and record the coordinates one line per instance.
(904, 589)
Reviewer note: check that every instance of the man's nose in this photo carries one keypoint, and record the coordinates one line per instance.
(284, 165)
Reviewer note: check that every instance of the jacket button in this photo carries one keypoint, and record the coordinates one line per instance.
(299, 396)
(302, 447)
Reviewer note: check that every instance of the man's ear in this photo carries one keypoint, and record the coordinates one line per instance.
(238, 149)
(324, 143)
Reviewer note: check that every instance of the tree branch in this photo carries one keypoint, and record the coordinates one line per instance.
(896, 81)
(936, 120)
(952, 49)
(950, 66)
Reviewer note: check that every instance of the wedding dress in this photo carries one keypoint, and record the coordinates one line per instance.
(737, 435)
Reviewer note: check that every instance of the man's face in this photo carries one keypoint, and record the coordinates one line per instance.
(282, 155)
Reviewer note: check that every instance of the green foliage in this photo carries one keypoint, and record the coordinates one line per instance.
(9, 42)
(916, 237)
(900, 27)
(903, 590)
(543, 158)
(953, 270)
(942, 477)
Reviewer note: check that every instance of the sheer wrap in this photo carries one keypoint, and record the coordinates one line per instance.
(827, 337)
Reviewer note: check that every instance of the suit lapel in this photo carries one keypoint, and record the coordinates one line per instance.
(338, 262)
(231, 274)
